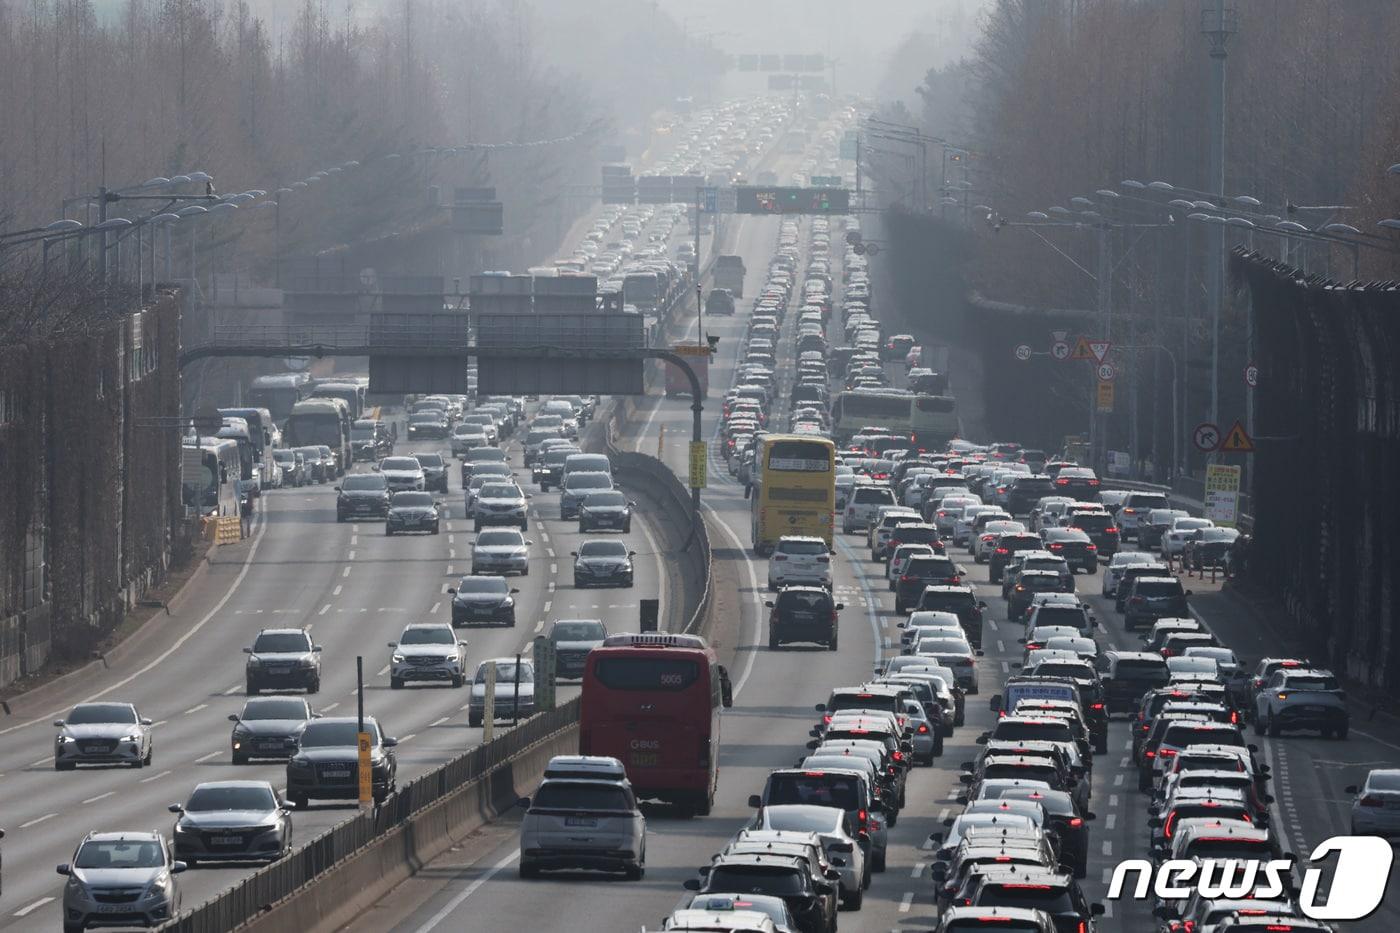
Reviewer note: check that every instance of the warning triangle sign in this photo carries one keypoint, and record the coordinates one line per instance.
(1082, 350)
(1237, 440)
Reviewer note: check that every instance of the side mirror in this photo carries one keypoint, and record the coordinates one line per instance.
(393, 644)
(58, 723)
(982, 739)
(175, 808)
(814, 733)
(833, 875)
(966, 765)
(962, 799)
(840, 606)
(1014, 664)
(631, 553)
(1089, 815)
(981, 604)
(247, 650)
(64, 869)
(523, 803)
(813, 744)
(937, 838)
(755, 801)
(821, 707)
(768, 603)
(575, 554)
(233, 717)
(842, 847)
(692, 884)
(146, 721)
(337, 489)
(1096, 909)
(513, 591)
(965, 779)
(390, 742)
(1268, 798)
(453, 590)
(1351, 789)
(1254, 748)
(287, 805)
(1189, 593)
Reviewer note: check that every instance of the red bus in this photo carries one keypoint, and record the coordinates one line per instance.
(653, 701)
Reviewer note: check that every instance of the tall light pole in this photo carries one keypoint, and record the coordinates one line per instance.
(1218, 24)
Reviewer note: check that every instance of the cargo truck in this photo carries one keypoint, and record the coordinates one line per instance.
(729, 273)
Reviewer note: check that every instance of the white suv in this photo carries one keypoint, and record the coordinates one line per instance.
(865, 501)
(581, 823)
(800, 559)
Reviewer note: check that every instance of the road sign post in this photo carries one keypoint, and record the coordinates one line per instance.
(1105, 396)
(1237, 440)
(1060, 350)
(1206, 437)
(1023, 352)
(698, 465)
(1106, 372)
(1222, 493)
(364, 768)
(1251, 376)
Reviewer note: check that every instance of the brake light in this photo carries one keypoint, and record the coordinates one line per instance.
(1022, 886)
(863, 819)
(1075, 823)
(1093, 482)
(1061, 482)
(826, 718)
(1002, 550)
(905, 578)
(1149, 754)
(1091, 547)
(1279, 926)
(1083, 927)
(1110, 530)
(923, 729)
(954, 580)
(1168, 753)
(1283, 696)
(1057, 546)
(1096, 706)
(814, 774)
(897, 756)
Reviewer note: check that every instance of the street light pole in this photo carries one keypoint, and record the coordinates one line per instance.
(1218, 27)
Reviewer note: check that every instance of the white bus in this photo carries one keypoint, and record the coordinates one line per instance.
(858, 408)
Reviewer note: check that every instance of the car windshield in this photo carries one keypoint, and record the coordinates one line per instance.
(802, 819)
(231, 798)
(822, 790)
(284, 456)
(273, 708)
(588, 481)
(427, 636)
(276, 642)
(602, 549)
(500, 491)
(947, 602)
(1384, 780)
(1143, 669)
(429, 460)
(801, 600)
(362, 432)
(400, 463)
(569, 795)
(578, 631)
(757, 879)
(493, 585)
(598, 500)
(412, 500)
(1061, 615)
(425, 417)
(363, 481)
(499, 539)
(1310, 682)
(1048, 897)
(1226, 848)
(788, 546)
(93, 713)
(505, 672)
(119, 854)
(1154, 589)
(321, 734)
(1046, 730)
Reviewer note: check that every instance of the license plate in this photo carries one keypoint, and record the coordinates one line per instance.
(580, 821)
(114, 908)
(644, 759)
(227, 840)
(338, 772)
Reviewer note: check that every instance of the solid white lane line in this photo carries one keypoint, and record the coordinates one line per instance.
(155, 777)
(232, 690)
(29, 909)
(203, 758)
(258, 521)
(37, 820)
(41, 761)
(467, 892)
(158, 723)
(99, 797)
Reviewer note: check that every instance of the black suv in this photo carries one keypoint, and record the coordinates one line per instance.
(1027, 886)
(962, 601)
(362, 494)
(803, 613)
(1026, 491)
(283, 658)
(811, 899)
(921, 572)
(1100, 528)
(326, 765)
(1151, 598)
(434, 471)
(1007, 545)
(1074, 546)
(1127, 675)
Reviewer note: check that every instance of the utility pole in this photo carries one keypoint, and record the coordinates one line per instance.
(1103, 279)
(1218, 25)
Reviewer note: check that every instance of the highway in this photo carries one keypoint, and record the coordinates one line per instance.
(768, 728)
(354, 589)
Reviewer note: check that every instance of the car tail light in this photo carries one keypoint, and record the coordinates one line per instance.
(897, 756)
(1002, 550)
(1083, 927)
(1057, 546)
(1167, 753)
(1283, 696)
(1061, 482)
(1091, 547)
(954, 580)
(1096, 706)
(905, 578)
(1075, 823)
(823, 559)
(1234, 717)
(1110, 530)
(1371, 802)
(826, 718)
(1149, 754)
(1093, 482)
(923, 729)
(863, 819)
(780, 557)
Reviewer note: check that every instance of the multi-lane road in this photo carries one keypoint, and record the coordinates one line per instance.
(768, 728)
(354, 589)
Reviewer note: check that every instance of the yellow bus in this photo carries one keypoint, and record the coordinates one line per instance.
(794, 489)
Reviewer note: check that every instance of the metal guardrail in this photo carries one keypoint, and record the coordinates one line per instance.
(267, 886)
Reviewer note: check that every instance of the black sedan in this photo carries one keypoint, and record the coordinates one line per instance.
(268, 727)
(601, 510)
(412, 511)
(603, 563)
(232, 821)
(362, 494)
(428, 424)
(483, 600)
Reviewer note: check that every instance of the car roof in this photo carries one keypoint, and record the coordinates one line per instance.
(125, 836)
(283, 631)
(261, 785)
